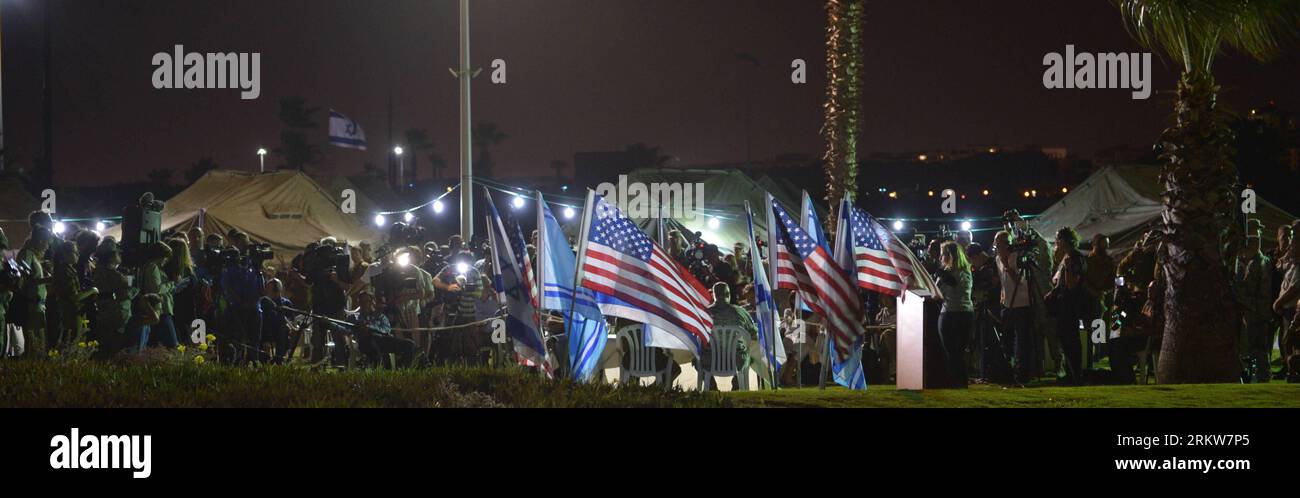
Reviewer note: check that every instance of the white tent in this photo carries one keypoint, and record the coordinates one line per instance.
(286, 209)
(1123, 202)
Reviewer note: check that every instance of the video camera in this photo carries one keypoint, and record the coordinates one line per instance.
(326, 257)
(258, 254)
(12, 272)
(1024, 240)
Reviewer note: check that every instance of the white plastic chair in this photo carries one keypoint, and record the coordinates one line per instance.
(724, 357)
(641, 359)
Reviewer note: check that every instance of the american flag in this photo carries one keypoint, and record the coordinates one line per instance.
(829, 291)
(877, 269)
(648, 286)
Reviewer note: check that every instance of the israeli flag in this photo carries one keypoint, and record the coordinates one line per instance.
(345, 132)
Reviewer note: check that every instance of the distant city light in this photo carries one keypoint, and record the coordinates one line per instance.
(438, 206)
(965, 225)
(893, 195)
(922, 157)
(1034, 192)
(898, 225)
(1026, 193)
(930, 193)
(993, 150)
(379, 220)
(569, 213)
(261, 152)
(986, 192)
(408, 217)
(397, 150)
(518, 202)
(714, 223)
(1065, 190)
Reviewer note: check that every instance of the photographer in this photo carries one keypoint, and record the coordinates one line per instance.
(153, 280)
(462, 287)
(375, 336)
(1069, 302)
(1099, 281)
(275, 327)
(326, 269)
(33, 291)
(113, 306)
(994, 348)
(241, 286)
(1017, 317)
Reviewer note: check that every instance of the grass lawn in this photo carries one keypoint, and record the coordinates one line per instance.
(168, 383)
(1273, 395)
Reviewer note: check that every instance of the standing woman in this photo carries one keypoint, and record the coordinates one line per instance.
(113, 307)
(1068, 301)
(154, 281)
(180, 269)
(957, 315)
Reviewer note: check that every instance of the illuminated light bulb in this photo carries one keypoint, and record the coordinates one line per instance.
(100, 226)
(569, 213)
(518, 202)
(59, 227)
(462, 268)
(898, 225)
(965, 225)
(408, 216)
(379, 220)
(438, 206)
(404, 259)
(714, 223)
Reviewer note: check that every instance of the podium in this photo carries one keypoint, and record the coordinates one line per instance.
(919, 361)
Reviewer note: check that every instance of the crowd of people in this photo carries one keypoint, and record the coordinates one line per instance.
(1021, 311)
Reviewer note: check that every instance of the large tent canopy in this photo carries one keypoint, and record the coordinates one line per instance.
(1123, 202)
(286, 209)
(15, 205)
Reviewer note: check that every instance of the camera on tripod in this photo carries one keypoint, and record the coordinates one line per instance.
(258, 254)
(326, 257)
(1024, 240)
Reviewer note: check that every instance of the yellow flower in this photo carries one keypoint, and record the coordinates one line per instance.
(181, 348)
(203, 347)
(54, 353)
(211, 337)
(94, 344)
(198, 360)
(81, 344)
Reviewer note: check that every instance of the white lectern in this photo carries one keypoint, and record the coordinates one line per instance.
(910, 336)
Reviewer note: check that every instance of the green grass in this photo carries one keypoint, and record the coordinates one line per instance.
(44, 383)
(1273, 395)
(166, 383)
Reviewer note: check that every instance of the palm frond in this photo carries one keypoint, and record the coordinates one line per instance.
(1193, 32)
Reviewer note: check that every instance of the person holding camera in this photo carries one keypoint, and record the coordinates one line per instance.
(33, 290)
(1069, 302)
(1017, 316)
(462, 285)
(153, 280)
(956, 316)
(328, 297)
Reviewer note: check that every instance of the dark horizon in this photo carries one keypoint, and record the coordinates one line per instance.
(616, 73)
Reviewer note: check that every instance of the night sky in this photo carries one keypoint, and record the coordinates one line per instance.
(584, 75)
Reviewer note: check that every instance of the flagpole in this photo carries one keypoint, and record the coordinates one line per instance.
(466, 154)
(771, 334)
(582, 256)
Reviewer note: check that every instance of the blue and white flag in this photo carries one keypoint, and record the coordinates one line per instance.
(514, 288)
(584, 324)
(769, 342)
(808, 220)
(345, 132)
(847, 373)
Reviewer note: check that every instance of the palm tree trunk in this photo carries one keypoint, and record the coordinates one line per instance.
(844, 20)
(1202, 321)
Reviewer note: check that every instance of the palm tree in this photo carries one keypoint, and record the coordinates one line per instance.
(844, 20)
(417, 140)
(486, 135)
(296, 149)
(1200, 228)
(559, 166)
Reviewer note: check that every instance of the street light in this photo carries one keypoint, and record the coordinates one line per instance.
(401, 166)
(261, 159)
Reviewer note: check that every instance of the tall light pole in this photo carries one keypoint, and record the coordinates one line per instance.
(401, 169)
(261, 159)
(466, 155)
